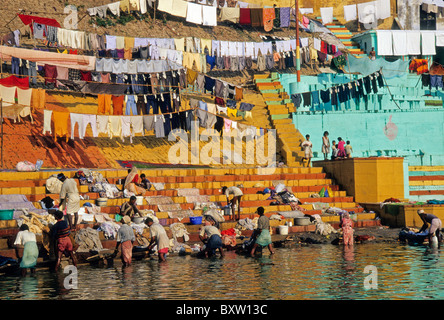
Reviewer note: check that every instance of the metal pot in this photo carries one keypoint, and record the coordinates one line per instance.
(138, 220)
(102, 202)
(302, 221)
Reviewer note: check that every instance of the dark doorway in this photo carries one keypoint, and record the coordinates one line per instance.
(427, 20)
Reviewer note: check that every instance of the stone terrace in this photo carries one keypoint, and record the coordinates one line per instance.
(303, 182)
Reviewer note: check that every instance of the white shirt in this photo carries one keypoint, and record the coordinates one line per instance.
(158, 231)
(234, 191)
(209, 231)
(23, 237)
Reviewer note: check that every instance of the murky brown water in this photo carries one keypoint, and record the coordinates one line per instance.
(308, 272)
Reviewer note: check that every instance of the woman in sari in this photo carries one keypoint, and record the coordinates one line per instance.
(347, 228)
(26, 239)
(132, 183)
(125, 237)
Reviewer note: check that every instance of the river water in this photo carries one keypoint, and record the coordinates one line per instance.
(370, 271)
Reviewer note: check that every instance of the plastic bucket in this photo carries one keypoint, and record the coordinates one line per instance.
(227, 210)
(6, 214)
(283, 230)
(139, 200)
(196, 220)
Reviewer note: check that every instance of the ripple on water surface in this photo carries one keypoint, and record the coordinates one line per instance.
(306, 272)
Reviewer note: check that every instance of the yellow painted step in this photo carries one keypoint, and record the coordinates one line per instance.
(426, 168)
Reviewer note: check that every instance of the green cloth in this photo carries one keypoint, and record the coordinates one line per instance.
(277, 20)
(339, 61)
(264, 239)
(241, 113)
(30, 255)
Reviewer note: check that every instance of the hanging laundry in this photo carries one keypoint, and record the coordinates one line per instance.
(350, 12)
(334, 97)
(296, 98)
(137, 125)
(209, 16)
(232, 112)
(115, 126)
(221, 109)
(103, 124)
(428, 43)
(414, 42)
(118, 102)
(268, 16)
(191, 76)
(61, 120)
(315, 97)
(325, 96)
(256, 15)
(244, 17)
(38, 98)
(384, 42)
(284, 17)
(367, 84)
(219, 125)
(307, 98)
(50, 74)
(230, 14)
(374, 84)
(179, 8)
(104, 103)
(194, 13)
(148, 122)
(131, 105)
(126, 128)
(47, 121)
(227, 125)
(327, 15)
(24, 99)
(399, 39)
(159, 126)
(239, 94)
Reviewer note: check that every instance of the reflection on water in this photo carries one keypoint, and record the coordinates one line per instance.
(306, 272)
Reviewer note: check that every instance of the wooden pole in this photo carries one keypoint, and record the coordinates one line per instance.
(155, 8)
(298, 45)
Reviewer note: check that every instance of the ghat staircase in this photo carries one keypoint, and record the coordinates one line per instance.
(303, 181)
(344, 35)
(426, 183)
(280, 107)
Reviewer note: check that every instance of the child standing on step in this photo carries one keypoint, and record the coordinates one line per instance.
(307, 147)
(348, 149)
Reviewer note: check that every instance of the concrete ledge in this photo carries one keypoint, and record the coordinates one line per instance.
(403, 214)
(372, 179)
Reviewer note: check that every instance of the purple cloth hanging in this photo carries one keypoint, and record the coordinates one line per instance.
(285, 17)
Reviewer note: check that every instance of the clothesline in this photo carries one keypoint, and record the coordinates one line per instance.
(345, 83)
(149, 42)
(128, 126)
(340, 93)
(137, 115)
(111, 84)
(181, 94)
